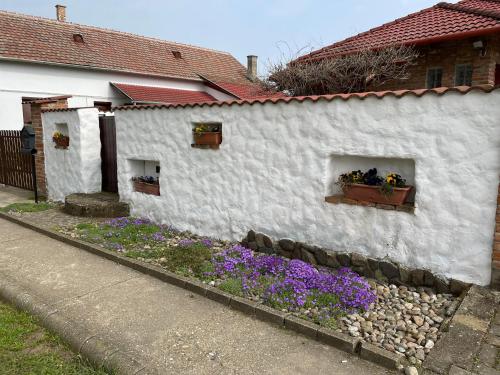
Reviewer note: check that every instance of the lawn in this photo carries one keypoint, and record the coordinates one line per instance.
(27, 207)
(26, 348)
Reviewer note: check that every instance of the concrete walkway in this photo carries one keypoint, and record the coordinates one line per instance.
(165, 328)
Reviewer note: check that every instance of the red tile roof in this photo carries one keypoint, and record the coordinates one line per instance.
(315, 98)
(246, 91)
(148, 94)
(441, 22)
(36, 39)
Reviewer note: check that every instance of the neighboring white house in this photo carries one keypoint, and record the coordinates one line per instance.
(42, 58)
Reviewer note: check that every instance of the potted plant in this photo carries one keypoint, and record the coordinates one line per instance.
(61, 140)
(147, 185)
(369, 187)
(207, 134)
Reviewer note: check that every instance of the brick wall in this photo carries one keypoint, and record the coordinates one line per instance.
(447, 56)
(495, 276)
(36, 118)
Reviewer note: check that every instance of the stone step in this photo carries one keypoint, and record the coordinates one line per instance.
(96, 205)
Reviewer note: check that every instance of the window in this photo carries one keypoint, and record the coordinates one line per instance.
(434, 77)
(463, 75)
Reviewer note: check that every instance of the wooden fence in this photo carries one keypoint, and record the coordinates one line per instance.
(15, 167)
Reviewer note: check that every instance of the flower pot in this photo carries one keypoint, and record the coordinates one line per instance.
(144, 187)
(367, 193)
(208, 138)
(61, 142)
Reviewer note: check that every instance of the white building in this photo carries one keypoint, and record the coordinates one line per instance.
(41, 58)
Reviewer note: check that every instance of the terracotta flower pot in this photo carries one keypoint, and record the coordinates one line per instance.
(144, 187)
(208, 138)
(367, 193)
(61, 142)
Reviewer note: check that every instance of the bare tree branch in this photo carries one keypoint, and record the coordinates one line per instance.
(345, 74)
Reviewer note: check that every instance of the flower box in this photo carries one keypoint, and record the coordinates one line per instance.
(61, 141)
(146, 188)
(368, 193)
(207, 138)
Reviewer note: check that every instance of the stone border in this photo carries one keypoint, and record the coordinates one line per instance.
(81, 340)
(380, 269)
(264, 313)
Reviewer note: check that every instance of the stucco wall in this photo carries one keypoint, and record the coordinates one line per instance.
(272, 171)
(18, 80)
(76, 169)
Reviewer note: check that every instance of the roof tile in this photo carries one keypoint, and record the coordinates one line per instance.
(43, 40)
(148, 94)
(440, 21)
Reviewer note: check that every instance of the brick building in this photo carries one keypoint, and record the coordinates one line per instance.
(458, 45)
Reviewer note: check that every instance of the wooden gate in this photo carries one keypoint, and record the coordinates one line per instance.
(15, 168)
(108, 154)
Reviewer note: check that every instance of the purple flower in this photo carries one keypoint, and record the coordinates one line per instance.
(158, 236)
(207, 242)
(185, 242)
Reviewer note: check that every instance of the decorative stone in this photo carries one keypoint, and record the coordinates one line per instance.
(373, 264)
(259, 238)
(252, 246)
(441, 284)
(390, 270)
(417, 277)
(457, 287)
(411, 371)
(308, 257)
(428, 278)
(286, 244)
(320, 255)
(267, 250)
(380, 276)
(404, 274)
(359, 260)
(344, 259)
(251, 236)
(267, 241)
(331, 261)
(297, 253)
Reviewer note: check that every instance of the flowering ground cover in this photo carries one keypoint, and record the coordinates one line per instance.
(318, 294)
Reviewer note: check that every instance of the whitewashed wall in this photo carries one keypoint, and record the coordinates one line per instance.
(273, 169)
(18, 80)
(76, 169)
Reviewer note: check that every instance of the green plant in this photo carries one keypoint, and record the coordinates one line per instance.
(371, 178)
(26, 348)
(27, 207)
(203, 128)
(232, 286)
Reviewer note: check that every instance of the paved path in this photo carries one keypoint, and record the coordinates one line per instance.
(162, 326)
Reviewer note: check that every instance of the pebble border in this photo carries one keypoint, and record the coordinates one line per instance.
(264, 313)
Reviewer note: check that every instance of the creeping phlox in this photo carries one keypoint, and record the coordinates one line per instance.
(294, 284)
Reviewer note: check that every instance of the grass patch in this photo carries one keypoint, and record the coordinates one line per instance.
(27, 207)
(232, 286)
(26, 348)
(138, 238)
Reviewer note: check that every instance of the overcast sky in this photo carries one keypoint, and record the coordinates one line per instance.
(267, 28)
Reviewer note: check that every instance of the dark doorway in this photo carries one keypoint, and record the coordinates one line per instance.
(497, 74)
(108, 154)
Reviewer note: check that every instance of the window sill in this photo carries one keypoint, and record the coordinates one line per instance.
(214, 147)
(340, 199)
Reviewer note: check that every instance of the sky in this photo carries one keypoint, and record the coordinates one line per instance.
(270, 29)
